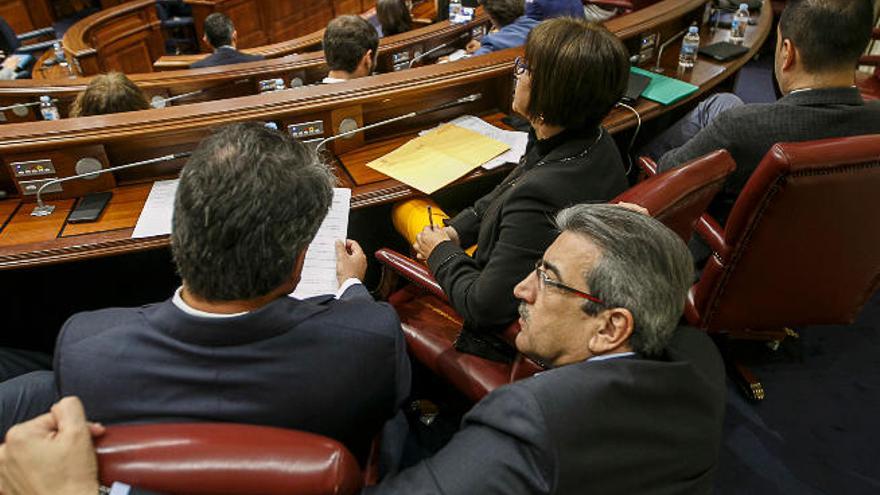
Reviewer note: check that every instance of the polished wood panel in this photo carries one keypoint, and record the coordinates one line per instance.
(125, 38)
(26, 15)
(26, 229)
(121, 212)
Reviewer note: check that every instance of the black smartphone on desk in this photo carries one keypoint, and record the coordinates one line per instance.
(89, 207)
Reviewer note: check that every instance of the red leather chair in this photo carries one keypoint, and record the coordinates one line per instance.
(211, 458)
(869, 84)
(801, 246)
(677, 198)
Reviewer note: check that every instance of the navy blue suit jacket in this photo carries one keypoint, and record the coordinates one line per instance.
(225, 55)
(334, 367)
(618, 426)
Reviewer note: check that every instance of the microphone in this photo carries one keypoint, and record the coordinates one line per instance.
(162, 101)
(42, 210)
(16, 106)
(454, 103)
(436, 48)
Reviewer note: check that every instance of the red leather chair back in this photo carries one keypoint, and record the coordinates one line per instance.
(211, 458)
(869, 84)
(802, 242)
(679, 196)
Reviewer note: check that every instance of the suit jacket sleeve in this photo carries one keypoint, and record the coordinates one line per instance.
(402, 369)
(485, 296)
(713, 137)
(502, 448)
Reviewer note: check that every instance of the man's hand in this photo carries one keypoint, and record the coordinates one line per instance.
(351, 262)
(472, 46)
(52, 454)
(11, 62)
(428, 239)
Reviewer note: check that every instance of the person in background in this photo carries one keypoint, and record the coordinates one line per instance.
(572, 74)
(394, 17)
(818, 44)
(511, 23)
(351, 45)
(230, 344)
(632, 403)
(220, 33)
(109, 93)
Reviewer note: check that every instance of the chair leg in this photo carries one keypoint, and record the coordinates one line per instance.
(738, 372)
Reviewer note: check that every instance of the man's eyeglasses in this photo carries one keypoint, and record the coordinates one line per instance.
(520, 66)
(545, 280)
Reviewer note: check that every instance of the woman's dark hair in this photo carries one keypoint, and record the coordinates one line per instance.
(109, 93)
(578, 71)
(503, 12)
(394, 17)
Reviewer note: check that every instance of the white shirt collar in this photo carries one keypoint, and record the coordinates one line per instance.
(611, 356)
(186, 308)
(333, 80)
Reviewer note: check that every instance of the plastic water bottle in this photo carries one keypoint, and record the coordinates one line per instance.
(689, 46)
(48, 109)
(739, 24)
(59, 52)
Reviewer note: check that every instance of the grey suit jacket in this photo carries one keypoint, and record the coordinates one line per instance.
(749, 131)
(334, 367)
(625, 425)
(225, 55)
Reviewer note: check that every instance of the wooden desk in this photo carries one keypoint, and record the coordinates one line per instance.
(30, 241)
(27, 15)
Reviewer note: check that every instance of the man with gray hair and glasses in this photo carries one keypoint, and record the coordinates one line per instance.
(631, 403)
(231, 345)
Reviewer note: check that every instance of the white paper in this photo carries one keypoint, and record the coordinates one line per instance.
(156, 216)
(319, 270)
(516, 140)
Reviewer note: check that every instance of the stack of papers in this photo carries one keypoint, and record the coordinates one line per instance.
(439, 157)
(516, 140)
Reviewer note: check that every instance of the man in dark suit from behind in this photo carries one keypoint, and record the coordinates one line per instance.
(631, 403)
(230, 345)
(351, 46)
(220, 33)
(818, 44)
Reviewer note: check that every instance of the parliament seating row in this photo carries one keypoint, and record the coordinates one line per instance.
(214, 83)
(124, 138)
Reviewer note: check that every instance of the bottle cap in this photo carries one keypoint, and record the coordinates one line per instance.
(44, 99)
(694, 30)
(743, 6)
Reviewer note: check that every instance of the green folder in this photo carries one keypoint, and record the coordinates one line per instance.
(664, 90)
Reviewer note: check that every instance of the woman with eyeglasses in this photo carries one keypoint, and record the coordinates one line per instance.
(570, 77)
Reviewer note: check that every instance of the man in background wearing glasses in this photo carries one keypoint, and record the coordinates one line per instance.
(631, 403)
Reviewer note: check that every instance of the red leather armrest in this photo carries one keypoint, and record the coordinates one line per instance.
(648, 166)
(712, 233)
(205, 458)
(869, 60)
(411, 270)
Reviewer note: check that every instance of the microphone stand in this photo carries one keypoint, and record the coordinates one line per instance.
(444, 106)
(42, 209)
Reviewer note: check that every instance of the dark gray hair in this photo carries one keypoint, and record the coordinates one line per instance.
(249, 200)
(643, 267)
(218, 29)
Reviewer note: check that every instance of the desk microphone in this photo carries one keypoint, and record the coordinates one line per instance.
(162, 101)
(444, 106)
(42, 210)
(432, 50)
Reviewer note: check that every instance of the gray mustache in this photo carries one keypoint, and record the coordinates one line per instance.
(523, 311)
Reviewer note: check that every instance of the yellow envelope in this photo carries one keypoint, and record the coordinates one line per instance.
(438, 158)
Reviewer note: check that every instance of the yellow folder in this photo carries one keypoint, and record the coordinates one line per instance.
(438, 158)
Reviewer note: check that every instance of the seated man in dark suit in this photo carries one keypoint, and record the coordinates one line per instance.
(631, 404)
(818, 43)
(231, 345)
(351, 45)
(220, 33)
